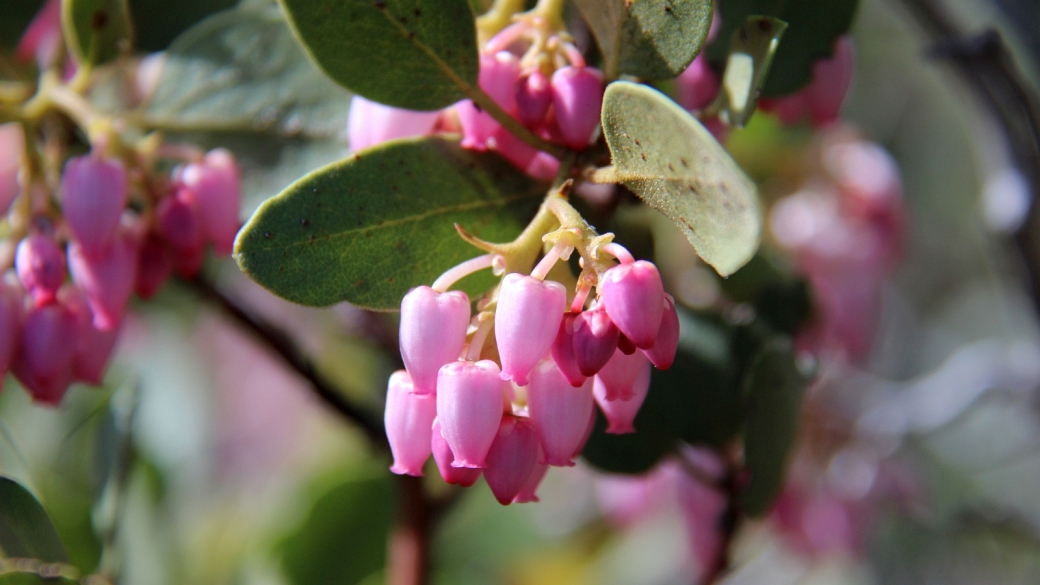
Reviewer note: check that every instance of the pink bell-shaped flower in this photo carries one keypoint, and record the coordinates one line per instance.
(558, 411)
(94, 347)
(528, 493)
(469, 406)
(498, 75)
(511, 459)
(153, 267)
(562, 351)
(432, 333)
(622, 412)
(577, 98)
(831, 81)
(40, 264)
(595, 338)
(533, 97)
(662, 354)
(697, 86)
(93, 195)
(178, 221)
(215, 184)
(12, 144)
(620, 373)
(589, 427)
(461, 476)
(408, 420)
(632, 294)
(10, 325)
(526, 322)
(48, 344)
(371, 123)
(107, 279)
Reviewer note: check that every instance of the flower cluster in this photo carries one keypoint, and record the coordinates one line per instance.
(119, 230)
(534, 73)
(528, 401)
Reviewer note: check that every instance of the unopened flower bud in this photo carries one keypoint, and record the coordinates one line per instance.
(40, 264)
(433, 331)
(511, 459)
(526, 322)
(408, 419)
(558, 411)
(48, 344)
(533, 98)
(153, 267)
(371, 123)
(107, 279)
(469, 406)
(621, 413)
(577, 98)
(662, 354)
(177, 219)
(595, 337)
(93, 195)
(697, 85)
(94, 347)
(498, 75)
(461, 476)
(562, 351)
(12, 145)
(218, 195)
(632, 296)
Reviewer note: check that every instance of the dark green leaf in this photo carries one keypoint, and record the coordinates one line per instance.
(674, 164)
(368, 228)
(775, 389)
(813, 26)
(158, 22)
(415, 54)
(242, 70)
(25, 528)
(343, 540)
(97, 31)
(751, 52)
(780, 298)
(17, 15)
(33, 578)
(652, 39)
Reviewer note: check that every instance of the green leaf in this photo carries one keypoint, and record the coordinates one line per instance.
(415, 54)
(242, 70)
(25, 529)
(652, 39)
(775, 389)
(370, 227)
(158, 22)
(343, 540)
(813, 27)
(751, 52)
(16, 577)
(97, 31)
(674, 164)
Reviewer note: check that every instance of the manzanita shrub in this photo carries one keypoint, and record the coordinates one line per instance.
(490, 145)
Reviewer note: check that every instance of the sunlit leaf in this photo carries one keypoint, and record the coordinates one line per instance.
(652, 39)
(368, 228)
(775, 389)
(415, 54)
(243, 70)
(674, 164)
(813, 27)
(98, 31)
(751, 52)
(25, 528)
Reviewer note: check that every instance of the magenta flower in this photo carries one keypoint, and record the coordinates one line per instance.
(214, 183)
(93, 197)
(470, 399)
(40, 264)
(107, 279)
(621, 412)
(511, 459)
(633, 296)
(526, 322)
(662, 354)
(432, 333)
(559, 412)
(442, 454)
(577, 98)
(371, 123)
(408, 419)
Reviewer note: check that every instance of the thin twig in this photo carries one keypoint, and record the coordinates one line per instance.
(283, 345)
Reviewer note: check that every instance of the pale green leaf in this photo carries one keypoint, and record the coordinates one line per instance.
(751, 52)
(674, 164)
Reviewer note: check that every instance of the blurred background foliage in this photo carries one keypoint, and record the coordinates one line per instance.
(203, 460)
